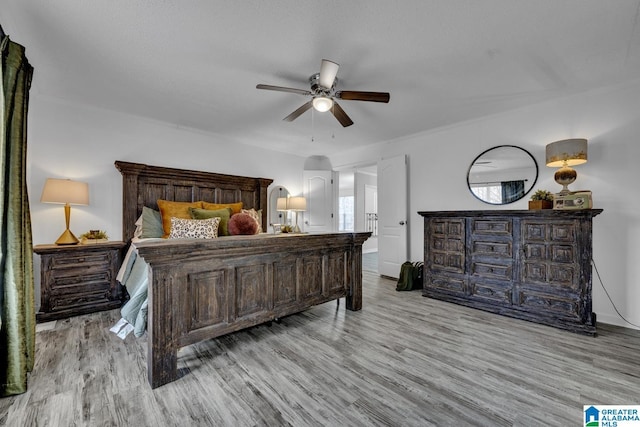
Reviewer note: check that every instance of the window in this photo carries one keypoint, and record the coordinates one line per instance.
(488, 193)
(346, 213)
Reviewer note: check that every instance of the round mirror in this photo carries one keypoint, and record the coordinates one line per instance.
(276, 216)
(502, 175)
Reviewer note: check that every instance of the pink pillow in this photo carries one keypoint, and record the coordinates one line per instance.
(242, 224)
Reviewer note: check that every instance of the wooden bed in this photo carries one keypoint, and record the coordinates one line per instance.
(202, 289)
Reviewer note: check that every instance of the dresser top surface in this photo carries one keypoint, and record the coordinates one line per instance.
(541, 213)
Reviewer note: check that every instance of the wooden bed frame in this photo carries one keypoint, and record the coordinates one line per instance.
(202, 289)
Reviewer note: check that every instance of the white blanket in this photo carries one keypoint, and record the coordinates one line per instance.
(133, 275)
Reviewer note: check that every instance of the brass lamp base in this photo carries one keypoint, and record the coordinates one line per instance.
(67, 238)
(565, 176)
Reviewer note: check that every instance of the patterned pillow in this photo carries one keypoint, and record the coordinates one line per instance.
(194, 228)
(257, 215)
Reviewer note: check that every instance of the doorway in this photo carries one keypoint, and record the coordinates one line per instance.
(358, 209)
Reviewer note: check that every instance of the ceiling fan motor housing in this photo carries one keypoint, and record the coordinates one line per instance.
(314, 81)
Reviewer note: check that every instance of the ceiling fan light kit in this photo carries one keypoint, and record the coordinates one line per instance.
(322, 103)
(323, 94)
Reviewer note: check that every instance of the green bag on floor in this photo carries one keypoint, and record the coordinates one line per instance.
(410, 276)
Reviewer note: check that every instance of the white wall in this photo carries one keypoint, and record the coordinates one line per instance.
(609, 118)
(67, 141)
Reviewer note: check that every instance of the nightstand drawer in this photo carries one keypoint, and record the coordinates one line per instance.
(70, 301)
(89, 260)
(64, 285)
(71, 275)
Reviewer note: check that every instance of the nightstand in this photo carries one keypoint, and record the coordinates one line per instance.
(78, 279)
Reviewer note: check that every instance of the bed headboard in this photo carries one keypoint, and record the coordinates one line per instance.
(143, 185)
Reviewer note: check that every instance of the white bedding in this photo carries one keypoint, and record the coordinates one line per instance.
(133, 275)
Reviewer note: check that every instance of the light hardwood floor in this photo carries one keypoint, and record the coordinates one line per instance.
(404, 360)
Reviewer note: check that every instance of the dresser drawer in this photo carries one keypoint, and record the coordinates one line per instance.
(495, 270)
(494, 249)
(496, 293)
(494, 226)
(444, 283)
(549, 304)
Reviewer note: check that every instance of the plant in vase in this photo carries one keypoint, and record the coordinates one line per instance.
(94, 236)
(541, 199)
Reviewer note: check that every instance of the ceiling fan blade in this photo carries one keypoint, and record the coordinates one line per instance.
(351, 95)
(339, 114)
(328, 73)
(291, 117)
(284, 89)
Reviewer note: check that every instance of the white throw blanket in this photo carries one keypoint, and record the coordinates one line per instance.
(133, 275)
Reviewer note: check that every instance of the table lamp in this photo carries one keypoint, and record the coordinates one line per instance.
(297, 204)
(66, 192)
(563, 154)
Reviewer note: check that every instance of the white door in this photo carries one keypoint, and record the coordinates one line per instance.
(319, 192)
(392, 215)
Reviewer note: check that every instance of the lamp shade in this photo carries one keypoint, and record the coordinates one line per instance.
(568, 152)
(281, 204)
(64, 191)
(297, 204)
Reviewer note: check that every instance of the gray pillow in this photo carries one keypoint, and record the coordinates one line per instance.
(151, 223)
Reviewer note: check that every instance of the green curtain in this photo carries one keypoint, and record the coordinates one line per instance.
(17, 311)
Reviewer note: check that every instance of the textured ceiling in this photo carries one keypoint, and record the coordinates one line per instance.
(195, 64)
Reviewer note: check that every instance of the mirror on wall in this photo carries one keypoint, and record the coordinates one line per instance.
(275, 216)
(502, 174)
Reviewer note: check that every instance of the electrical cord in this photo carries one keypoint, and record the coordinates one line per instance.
(608, 296)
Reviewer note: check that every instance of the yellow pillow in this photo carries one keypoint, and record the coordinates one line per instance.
(235, 207)
(170, 210)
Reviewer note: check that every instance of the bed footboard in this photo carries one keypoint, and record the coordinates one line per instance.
(202, 289)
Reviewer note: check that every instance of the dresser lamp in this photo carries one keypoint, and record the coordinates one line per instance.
(66, 192)
(297, 204)
(563, 154)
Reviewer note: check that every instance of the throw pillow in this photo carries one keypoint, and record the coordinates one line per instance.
(242, 224)
(235, 207)
(170, 210)
(257, 215)
(223, 214)
(151, 223)
(194, 228)
(138, 231)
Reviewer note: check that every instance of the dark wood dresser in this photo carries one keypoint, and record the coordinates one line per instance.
(533, 265)
(78, 279)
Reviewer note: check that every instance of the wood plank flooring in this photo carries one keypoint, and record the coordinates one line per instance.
(404, 360)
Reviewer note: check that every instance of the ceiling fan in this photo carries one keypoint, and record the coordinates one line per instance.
(323, 94)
